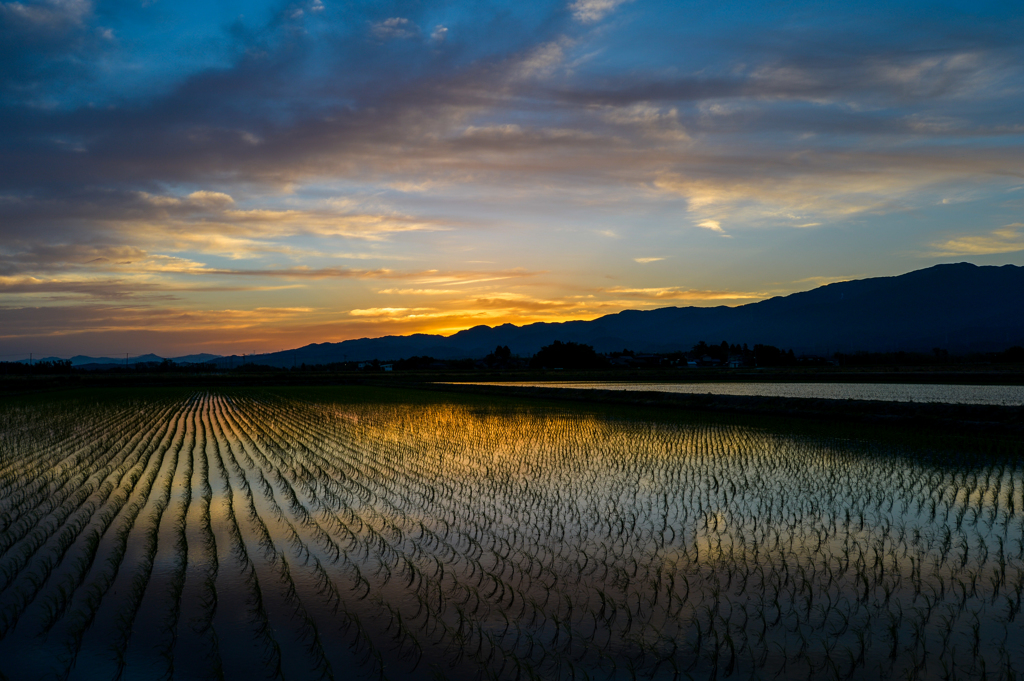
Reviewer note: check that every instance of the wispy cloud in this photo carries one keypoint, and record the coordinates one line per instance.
(1008, 239)
(713, 226)
(381, 312)
(822, 280)
(394, 27)
(493, 167)
(539, 62)
(591, 11)
(471, 277)
(675, 293)
(421, 291)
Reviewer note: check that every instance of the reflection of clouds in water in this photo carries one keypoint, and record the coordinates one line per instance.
(489, 537)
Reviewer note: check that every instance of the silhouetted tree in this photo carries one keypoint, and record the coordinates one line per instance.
(569, 355)
(415, 363)
(771, 356)
(58, 366)
(501, 356)
(719, 352)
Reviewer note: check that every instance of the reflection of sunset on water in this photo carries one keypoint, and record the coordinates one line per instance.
(355, 531)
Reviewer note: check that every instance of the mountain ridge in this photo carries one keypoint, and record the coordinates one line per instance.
(959, 307)
(88, 361)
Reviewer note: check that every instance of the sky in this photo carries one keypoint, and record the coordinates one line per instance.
(237, 177)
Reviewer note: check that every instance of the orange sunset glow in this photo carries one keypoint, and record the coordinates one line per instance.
(247, 178)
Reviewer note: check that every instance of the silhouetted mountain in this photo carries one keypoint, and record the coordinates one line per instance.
(200, 358)
(961, 308)
(83, 360)
(86, 362)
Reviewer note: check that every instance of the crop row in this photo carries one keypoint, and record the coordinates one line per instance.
(231, 534)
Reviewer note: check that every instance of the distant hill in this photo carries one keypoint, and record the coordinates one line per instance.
(961, 308)
(201, 358)
(86, 362)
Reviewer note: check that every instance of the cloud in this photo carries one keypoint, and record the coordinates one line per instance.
(826, 67)
(373, 227)
(62, 288)
(395, 27)
(204, 221)
(161, 277)
(823, 280)
(421, 291)
(407, 124)
(88, 319)
(591, 11)
(51, 41)
(380, 312)
(74, 287)
(1008, 239)
(483, 308)
(293, 272)
(464, 278)
(675, 293)
(48, 15)
(64, 257)
(434, 139)
(822, 186)
(208, 199)
(650, 121)
(644, 261)
(539, 62)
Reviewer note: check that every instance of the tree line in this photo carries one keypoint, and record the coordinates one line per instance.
(568, 355)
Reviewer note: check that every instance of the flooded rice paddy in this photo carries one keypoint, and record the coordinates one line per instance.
(359, 534)
(1001, 395)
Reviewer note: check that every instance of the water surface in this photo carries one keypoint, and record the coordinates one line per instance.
(353, 533)
(1005, 395)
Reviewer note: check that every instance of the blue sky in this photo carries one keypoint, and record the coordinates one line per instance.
(228, 177)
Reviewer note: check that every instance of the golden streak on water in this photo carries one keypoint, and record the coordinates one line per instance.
(353, 532)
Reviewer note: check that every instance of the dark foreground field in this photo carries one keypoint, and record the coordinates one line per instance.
(361, 532)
